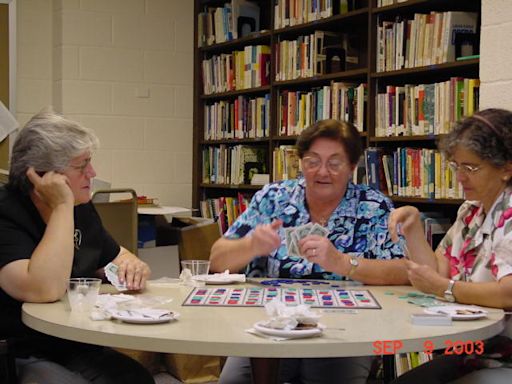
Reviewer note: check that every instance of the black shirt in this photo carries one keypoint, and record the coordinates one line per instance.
(21, 230)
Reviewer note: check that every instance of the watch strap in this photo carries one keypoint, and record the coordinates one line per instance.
(354, 263)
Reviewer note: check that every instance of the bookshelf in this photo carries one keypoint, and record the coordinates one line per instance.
(298, 79)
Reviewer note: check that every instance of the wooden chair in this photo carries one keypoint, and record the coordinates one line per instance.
(119, 217)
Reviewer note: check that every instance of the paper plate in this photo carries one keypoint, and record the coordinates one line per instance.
(138, 318)
(261, 327)
(458, 312)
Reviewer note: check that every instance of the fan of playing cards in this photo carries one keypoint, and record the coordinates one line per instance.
(294, 234)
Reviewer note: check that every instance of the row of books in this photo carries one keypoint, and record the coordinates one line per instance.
(425, 109)
(286, 163)
(304, 56)
(424, 40)
(238, 70)
(294, 12)
(224, 210)
(341, 101)
(220, 24)
(235, 165)
(241, 118)
(412, 172)
(406, 361)
(384, 3)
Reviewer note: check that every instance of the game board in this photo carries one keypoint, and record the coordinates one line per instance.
(257, 297)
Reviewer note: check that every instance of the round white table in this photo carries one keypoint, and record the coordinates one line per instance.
(220, 331)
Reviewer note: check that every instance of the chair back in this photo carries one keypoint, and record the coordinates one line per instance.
(196, 241)
(119, 217)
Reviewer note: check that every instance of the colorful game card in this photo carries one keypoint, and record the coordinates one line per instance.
(257, 297)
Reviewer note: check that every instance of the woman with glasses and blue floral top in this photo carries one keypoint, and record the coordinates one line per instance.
(357, 245)
(473, 263)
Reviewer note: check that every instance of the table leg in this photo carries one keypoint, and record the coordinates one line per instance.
(265, 371)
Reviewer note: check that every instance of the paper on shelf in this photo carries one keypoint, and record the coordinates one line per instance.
(163, 210)
(8, 123)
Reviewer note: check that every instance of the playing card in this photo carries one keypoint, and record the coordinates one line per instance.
(288, 237)
(111, 274)
(319, 230)
(294, 244)
(303, 230)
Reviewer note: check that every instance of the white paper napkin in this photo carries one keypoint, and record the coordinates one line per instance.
(187, 279)
(223, 276)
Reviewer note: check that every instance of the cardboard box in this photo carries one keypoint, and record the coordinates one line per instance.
(196, 237)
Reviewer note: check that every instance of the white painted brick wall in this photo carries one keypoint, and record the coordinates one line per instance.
(496, 54)
(123, 68)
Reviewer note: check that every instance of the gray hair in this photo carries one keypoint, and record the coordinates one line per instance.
(48, 142)
(487, 133)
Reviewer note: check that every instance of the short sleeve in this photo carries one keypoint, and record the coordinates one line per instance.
(15, 243)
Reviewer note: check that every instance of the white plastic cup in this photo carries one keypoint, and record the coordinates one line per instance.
(196, 267)
(82, 293)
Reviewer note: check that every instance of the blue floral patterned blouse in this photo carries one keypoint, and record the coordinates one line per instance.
(358, 226)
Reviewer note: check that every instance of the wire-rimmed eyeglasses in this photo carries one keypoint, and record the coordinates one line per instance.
(467, 169)
(313, 163)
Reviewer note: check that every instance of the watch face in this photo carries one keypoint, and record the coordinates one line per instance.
(449, 297)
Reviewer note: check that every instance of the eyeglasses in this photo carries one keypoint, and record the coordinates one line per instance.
(313, 163)
(464, 168)
(82, 167)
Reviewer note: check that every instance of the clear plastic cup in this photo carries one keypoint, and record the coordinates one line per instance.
(196, 267)
(82, 293)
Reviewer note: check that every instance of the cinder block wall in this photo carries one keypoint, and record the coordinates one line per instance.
(496, 54)
(124, 69)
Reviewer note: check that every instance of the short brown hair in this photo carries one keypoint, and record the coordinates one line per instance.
(343, 132)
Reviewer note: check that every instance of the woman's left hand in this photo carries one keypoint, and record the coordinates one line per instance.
(426, 279)
(318, 249)
(134, 272)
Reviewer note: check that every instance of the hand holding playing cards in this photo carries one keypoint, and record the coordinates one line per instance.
(426, 279)
(130, 273)
(407, 220)
(319, 250)
(134, 272)
(265, 238)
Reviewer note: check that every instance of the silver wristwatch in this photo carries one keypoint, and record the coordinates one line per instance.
(448, 294)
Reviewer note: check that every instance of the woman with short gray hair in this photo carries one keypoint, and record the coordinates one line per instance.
(49, 232)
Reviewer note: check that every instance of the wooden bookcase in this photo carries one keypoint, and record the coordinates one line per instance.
(363, 20)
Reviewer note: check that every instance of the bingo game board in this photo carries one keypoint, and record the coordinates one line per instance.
(257, 297)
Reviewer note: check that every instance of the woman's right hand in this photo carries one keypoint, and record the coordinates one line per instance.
(52, 188)
(265, 238)
(406, 218)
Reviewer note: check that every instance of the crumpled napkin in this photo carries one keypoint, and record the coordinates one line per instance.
(223, 276)
(108, 304)
(287, 318)
(186, 278)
